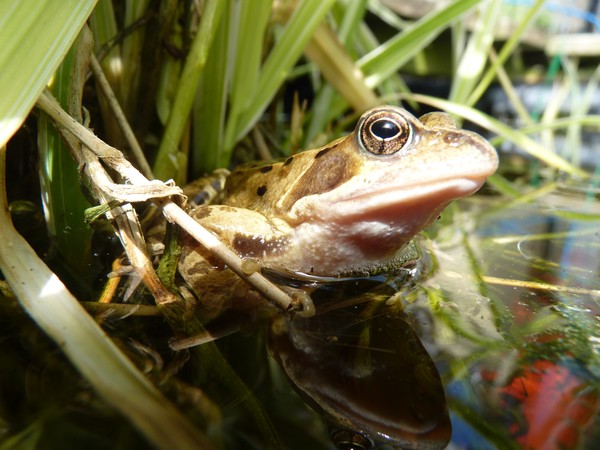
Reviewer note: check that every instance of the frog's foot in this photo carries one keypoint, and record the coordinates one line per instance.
(208, 335)
(302, 303)
(190, 302)
(133, 276)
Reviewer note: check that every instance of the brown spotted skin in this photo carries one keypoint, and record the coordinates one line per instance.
(348, 207)
(308, 173)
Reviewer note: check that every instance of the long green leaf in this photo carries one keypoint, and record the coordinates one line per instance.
(473, 60)
(252, 22)
(383, 61)
(351, 14)
(168, 162)
(507, 50)
(35, 36)
(390, 56)
(64, 202)
(284, 55)
(210, 105)
(233, 68)
(516, 137)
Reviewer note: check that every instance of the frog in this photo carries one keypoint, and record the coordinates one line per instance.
(345, 209)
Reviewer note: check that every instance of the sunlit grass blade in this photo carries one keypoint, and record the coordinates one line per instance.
(63, 200)
(339, 69)
(507, 50)
(382, 62)
(283, 56)
(564, 122)
(35, 36)
(473, 60)
(352, 14)
(246, 36)
(247, 33)
(511, 93)
(393, 54)
(350, 18)
(502, 185)
(388, 16)
(366, 39)
(520, 139)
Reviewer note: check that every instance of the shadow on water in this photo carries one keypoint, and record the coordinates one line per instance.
(364, 368)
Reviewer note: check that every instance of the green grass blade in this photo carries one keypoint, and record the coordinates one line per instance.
(382, 62)
(507, 50)
(284, 55)
(35, 36)
(351, 14)
(252, 22)
(563, 122)
(64, 202)
(210, 105)
(516, 137)
(339, 69)
(386, 59)
(248, 23)
(167, 164)
(473, 60)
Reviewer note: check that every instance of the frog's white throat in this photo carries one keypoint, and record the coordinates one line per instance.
(363, 231)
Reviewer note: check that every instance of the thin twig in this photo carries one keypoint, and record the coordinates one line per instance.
(541, 286)
(124, 216)
(136, 149)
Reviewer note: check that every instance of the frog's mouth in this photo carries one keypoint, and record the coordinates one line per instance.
(400, 203)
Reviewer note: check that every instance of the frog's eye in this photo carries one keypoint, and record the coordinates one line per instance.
(383, 132)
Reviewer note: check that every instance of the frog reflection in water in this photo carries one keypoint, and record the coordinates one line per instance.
(344, 210)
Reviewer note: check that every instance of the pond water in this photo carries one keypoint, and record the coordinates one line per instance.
(516, 327)
(493, 342)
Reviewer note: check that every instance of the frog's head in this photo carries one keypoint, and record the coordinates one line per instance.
(393, 167)
(389, 179)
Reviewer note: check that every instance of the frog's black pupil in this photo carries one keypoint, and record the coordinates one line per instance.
(385, 129)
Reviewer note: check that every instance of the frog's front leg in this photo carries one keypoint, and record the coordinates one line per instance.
(250, 235)
(205, 190)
